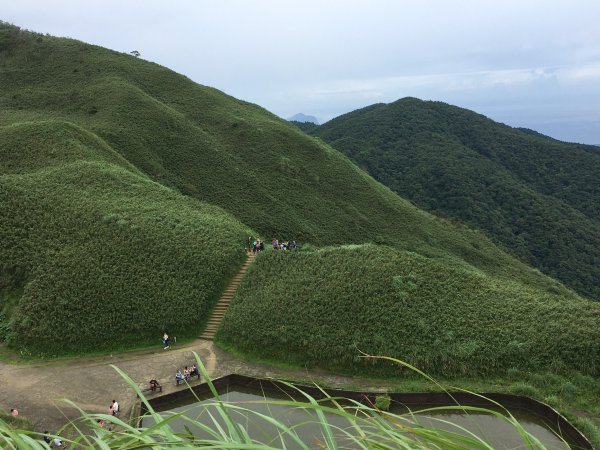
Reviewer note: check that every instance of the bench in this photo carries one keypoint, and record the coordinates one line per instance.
(179, 381)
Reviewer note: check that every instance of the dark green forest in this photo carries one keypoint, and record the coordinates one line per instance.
(534, 195)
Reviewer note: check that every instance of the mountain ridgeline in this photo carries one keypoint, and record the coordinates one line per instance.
(536, 196)
(128, 192)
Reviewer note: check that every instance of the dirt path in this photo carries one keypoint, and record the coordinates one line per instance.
(37, 390)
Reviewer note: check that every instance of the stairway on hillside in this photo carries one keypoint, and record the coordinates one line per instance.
(223, 303)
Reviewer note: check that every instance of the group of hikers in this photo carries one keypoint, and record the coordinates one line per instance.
(187, 373)
(258, 245)
(180, 377)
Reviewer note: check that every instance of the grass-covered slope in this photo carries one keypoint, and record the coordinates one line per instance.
(94, 145)
(322, 308)
(229, 153)
(536, 196)
(96, 256)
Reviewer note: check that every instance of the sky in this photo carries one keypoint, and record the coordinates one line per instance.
(526, 63)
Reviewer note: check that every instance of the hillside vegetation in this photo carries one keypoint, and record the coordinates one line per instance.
(322, 308)
(536, 196)
(100, 248)
(94, 255)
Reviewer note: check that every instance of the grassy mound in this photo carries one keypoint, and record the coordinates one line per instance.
(321, 308)
(96, 256)
(533, 194)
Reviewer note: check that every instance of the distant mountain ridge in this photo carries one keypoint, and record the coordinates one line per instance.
(303, 118)
(535, 195)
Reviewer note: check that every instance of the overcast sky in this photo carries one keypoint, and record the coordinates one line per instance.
(528, 63)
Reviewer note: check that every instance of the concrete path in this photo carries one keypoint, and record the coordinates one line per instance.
(36, 390)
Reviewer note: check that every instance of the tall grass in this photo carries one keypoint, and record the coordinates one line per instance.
(320, 308)
(101, 258)
(367, 428)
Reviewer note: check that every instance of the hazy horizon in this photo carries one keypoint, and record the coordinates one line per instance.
(532, 64)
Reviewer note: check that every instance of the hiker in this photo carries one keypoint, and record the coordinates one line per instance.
(154, 385)
(275, 243)
(165, 340)
(100, 423)
(57, 442)
(47, 438)
(14, 412)
(178, 376)
(194, 372)
(114, 408)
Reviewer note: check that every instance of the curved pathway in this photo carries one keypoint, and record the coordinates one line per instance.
(37, 390)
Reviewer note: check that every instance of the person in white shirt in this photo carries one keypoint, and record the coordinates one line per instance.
(114, 408)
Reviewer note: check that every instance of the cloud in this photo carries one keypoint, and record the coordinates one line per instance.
(583, 73)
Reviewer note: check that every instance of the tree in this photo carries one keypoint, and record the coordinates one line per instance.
(135, 53)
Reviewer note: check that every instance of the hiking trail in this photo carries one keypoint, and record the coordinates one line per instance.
(219, 311)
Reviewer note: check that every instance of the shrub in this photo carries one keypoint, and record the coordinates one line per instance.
(569, 390)
(525, 389)
(383, 402)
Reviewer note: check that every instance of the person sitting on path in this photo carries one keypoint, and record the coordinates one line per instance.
(154, 385)
(178, 376)
(194, 372)
(186, 373)
(14, 412)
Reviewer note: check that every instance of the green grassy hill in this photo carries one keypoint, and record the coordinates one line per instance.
(96, 148)
(537, 196)
(322, 308)
(95, 256)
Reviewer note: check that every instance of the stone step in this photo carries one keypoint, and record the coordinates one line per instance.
(223, 304)
(214, 321)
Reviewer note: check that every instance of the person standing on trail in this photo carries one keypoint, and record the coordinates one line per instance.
(114, 408)
(165, 340)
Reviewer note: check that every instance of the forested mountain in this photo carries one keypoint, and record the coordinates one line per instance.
(127, 193)
(536, 196)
